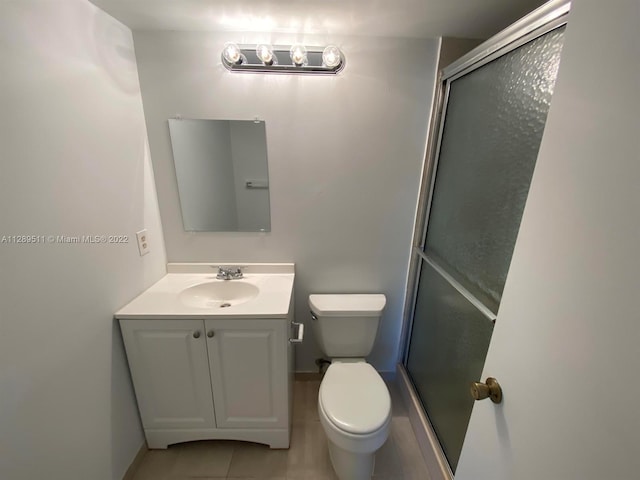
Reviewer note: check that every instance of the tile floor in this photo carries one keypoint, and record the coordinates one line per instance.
(306, 459)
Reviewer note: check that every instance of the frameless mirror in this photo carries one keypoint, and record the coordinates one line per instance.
(223, 180)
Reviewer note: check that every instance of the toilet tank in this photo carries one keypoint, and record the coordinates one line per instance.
(345, 325)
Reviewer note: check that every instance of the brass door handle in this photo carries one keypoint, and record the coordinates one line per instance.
(490, 389)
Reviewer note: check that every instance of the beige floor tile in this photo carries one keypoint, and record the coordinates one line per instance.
(388, 460)
(259, 477)
(203, 459)
(252, 460)
(156, 465)
(413, 466)
(182, 477)
(305, 401)
(311, 475)
(306, 459)
(309, 453)
(398, 408)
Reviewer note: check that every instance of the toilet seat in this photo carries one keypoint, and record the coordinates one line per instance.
(354, 398)
(359, 444)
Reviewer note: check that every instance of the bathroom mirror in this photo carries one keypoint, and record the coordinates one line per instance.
(223, 180)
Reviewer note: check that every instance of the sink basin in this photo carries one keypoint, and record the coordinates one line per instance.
(218, 294)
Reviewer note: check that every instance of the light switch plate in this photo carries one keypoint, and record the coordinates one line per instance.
(143, 242)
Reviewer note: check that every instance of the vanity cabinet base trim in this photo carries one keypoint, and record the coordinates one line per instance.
(161, 439)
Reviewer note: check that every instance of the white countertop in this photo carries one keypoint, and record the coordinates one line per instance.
(162, 300)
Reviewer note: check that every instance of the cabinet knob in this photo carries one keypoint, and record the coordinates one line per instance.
(196, 334)
(210, 334)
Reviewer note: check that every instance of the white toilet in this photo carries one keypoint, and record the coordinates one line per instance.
(354, 402)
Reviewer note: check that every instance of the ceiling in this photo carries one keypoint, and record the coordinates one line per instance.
(379, 18)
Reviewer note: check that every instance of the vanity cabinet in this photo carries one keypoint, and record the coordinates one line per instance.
(248, 365)
(199, 379)
(170, 372)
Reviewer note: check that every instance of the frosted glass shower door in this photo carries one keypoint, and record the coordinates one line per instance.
(493, 123)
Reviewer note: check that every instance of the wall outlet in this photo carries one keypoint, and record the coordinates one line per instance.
(143, 242)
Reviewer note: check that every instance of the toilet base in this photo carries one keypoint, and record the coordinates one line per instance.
(351, 465)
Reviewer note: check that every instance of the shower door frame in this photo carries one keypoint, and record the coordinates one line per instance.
(541, 21)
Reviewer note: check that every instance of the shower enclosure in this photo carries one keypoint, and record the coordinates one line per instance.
(491, 110)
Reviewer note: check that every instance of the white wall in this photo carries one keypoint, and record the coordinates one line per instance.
(73, 161)
(345, 155)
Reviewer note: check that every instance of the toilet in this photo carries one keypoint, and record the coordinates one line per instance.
(354, 403)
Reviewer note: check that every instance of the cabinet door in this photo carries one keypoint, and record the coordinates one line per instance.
(248, 362)
(170, 372)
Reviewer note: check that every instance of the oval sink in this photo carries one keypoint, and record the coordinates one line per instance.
(218, 294)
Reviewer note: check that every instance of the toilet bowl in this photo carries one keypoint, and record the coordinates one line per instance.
(355, 412)
(354, 404)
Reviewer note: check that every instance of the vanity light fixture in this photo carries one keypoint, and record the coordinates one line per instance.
(266, 55)
(298, 55)
(232, 54)
(296, 58)
(331, 56)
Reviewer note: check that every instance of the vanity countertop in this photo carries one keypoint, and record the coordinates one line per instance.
(166, 298)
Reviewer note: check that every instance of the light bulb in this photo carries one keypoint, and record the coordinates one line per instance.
(331, 56)
(231, 53)
(299, 55)
(265, 54)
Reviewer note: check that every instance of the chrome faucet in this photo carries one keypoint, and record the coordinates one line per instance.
(229, 273)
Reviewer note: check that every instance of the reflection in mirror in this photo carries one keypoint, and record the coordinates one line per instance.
(223, 180)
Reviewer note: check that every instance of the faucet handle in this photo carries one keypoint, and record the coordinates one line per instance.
(227, 273)
(223, 273)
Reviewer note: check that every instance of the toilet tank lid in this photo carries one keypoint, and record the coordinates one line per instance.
(347, 305)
